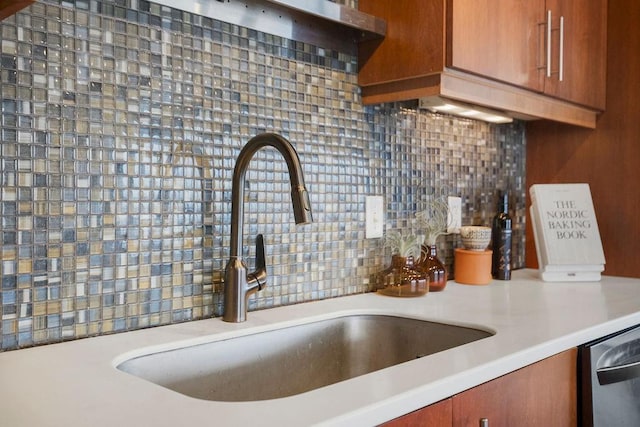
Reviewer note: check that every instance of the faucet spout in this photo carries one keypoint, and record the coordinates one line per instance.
(238, 284)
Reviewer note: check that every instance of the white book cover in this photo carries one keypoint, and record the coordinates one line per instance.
(542, 256)
(565, 229)
(580, 276)
(595, 268)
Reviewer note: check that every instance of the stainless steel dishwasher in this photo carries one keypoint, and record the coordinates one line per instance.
(610, 380)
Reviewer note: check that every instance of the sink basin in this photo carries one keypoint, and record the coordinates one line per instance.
(296, 359)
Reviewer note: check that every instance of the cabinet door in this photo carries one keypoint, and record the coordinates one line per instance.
(542, 394)
(413, 45)
(583, 54)
(499, 39)
(435, 415)
(9, 7)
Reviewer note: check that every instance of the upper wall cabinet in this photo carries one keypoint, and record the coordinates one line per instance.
(9, 7)
(531, 58)
(580, 47)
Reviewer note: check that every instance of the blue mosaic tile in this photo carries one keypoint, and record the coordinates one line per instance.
(120, 125)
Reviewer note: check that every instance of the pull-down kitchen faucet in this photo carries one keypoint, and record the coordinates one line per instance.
(238, 284)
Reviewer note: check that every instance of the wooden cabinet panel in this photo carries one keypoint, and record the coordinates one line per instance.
(584, 42)
(436, 415)
(507, 40)
(9, 7)
(412, 47)
(542, 394)
(500, 39)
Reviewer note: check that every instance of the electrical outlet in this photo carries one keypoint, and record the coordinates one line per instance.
(374, 216)
(454, 215)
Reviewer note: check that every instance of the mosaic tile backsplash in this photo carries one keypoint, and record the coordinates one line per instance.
(121, 121)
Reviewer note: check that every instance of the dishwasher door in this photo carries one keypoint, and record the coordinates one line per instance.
(610, 380)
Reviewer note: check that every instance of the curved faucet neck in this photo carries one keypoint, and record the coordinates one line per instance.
(300, 198)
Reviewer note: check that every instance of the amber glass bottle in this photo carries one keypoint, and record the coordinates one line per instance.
(433, 267)
(402, 279)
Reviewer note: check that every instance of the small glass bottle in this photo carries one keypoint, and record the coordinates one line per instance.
(501, 241)
(433, 268)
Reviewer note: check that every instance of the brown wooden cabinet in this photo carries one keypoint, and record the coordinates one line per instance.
(581, 45)
(9, 7)
(436, 415)
(491, 53)
(556, 47)
(500, 39)
(541, 394)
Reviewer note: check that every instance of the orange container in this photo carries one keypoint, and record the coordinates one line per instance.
(472, 267)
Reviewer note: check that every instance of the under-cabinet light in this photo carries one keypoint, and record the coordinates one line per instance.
(442, 105)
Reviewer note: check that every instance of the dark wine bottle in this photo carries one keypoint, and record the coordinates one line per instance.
(501, 241)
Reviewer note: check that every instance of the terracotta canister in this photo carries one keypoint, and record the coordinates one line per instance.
(472, 267)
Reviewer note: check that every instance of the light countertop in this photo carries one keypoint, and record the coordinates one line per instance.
(76, 384)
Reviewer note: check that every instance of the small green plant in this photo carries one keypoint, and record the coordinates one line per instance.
(402, 244)
(433, 220)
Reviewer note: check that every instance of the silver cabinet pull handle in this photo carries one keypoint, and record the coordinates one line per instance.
(615, 374)
(561, 70)
(484, 422)
(548, 43)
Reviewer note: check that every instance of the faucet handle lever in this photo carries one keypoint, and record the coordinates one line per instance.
(261, 264)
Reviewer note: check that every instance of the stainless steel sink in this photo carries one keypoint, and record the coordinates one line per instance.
(292, 360)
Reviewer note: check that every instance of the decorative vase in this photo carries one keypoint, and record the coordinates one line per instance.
(433, 268)
(403, 279)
